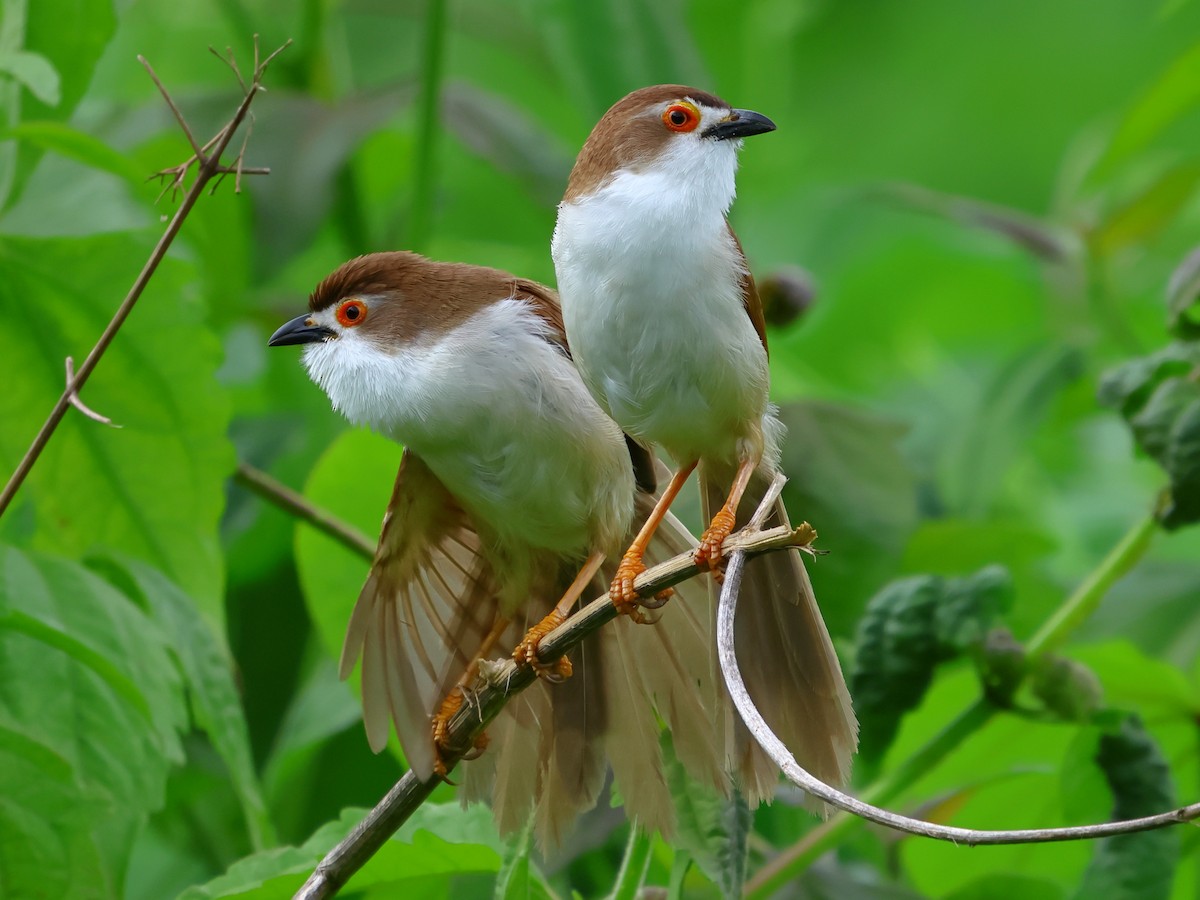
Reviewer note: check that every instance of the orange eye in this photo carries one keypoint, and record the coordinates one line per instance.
(351, 313)
(681, 117)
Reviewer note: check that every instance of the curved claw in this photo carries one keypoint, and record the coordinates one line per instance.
(714, 536)
(526, 652)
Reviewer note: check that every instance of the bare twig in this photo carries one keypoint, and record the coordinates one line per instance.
(209, 165)
(278, 493)
(504, 680)
(807, 782)
(80, 405)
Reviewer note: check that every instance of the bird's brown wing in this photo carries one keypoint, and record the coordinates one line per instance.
(426, 606)
(750, 299)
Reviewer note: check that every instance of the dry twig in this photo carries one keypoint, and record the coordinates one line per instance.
(504, 680)
(208, 163)
(807, 782)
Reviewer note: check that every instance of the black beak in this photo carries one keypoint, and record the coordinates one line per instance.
(739, 123)
(299, 330)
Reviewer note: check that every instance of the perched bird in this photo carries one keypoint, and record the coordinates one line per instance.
(511, 478)
(667, 330)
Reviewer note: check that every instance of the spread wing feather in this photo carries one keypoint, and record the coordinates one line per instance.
(422, 614)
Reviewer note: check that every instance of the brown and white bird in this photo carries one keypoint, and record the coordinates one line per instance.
(666, 327)
(511, 477)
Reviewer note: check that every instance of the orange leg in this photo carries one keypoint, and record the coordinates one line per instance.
(454, 699)
(624, 597)
(722, 524)
(527, 651)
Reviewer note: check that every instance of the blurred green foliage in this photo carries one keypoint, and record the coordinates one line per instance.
(996, 204)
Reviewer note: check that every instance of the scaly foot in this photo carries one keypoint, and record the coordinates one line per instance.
(712, 539)
(441, 733)
(624, 596)
(526, 652)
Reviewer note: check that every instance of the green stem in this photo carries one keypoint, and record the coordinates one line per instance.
(1073, 612)
(420, 224)
(633, 867)
(1076, 609)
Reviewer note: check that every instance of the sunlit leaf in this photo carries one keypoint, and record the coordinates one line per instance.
(34, 72)
(1176, 91)
(439, 841)
(153, 488)
(71, 142)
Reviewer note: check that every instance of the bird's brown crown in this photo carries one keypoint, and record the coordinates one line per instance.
(634, 129)
(420, 296)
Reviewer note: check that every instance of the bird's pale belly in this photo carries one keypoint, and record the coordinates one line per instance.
(695, 384)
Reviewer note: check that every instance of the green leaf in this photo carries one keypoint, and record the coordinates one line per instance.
(1183, 292)
(848, 477)
(1148, 213)
(35, 73)
(440, 842)
(519, 878)
(714, 830)
(331, 575)
(1005, 886)
(1160, 400)
(153, 488)
(1140, 865)
(75, 144)
(1174, 94)
(208, 669)
(908, 628)
(70, 35)
(90, 710)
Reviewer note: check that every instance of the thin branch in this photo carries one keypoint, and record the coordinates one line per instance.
(807, 782)
(278, 493)
(786, 866)
(503, 680)
(80, 405)
(209, 166)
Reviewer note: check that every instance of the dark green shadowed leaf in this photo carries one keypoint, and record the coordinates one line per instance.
(713, 830)
(1133, 866)
(92, 708)
(1159, 398)
(208, 672)
(908, 628)
(1183, 293)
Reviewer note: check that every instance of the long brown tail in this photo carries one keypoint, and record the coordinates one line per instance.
(787, 660)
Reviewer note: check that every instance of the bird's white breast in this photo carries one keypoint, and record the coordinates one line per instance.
(501, 417)
(649, 277)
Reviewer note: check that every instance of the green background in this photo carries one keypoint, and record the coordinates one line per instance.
(987, 202)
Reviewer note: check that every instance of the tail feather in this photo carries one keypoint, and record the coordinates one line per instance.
(787, 660)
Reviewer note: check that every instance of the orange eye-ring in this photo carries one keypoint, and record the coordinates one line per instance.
(351, 313)
(681, 117)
